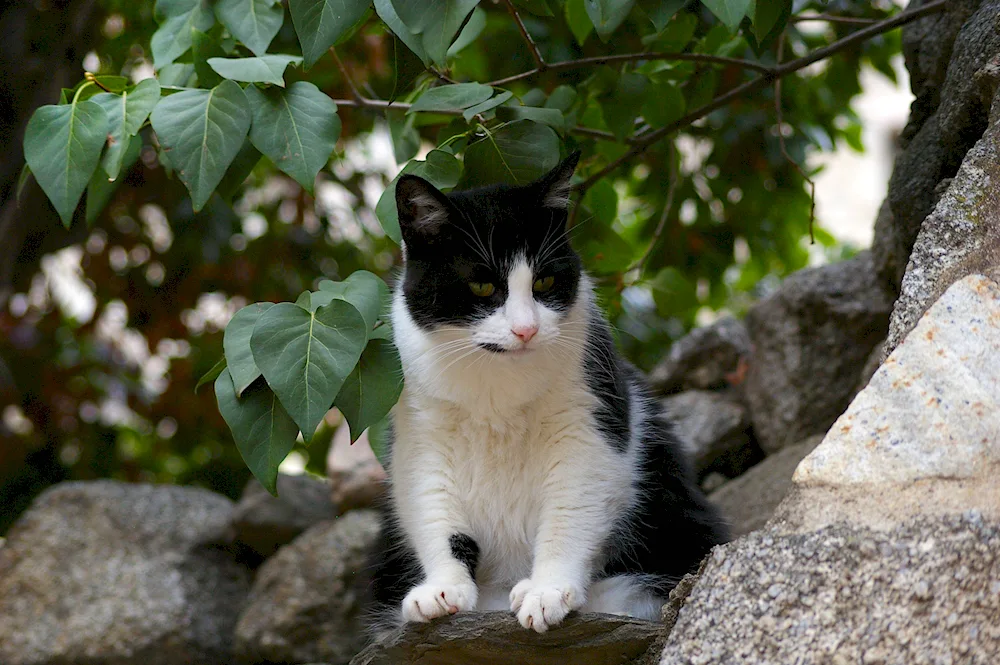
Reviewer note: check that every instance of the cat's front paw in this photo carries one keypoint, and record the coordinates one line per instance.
(432, 600)
(539, 606)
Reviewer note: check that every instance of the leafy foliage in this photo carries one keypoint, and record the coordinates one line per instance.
(481, 93)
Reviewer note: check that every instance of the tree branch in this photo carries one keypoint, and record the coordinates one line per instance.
(347, 77)
(763, 81)
(829, 18)
(539, 61)
(632, 57)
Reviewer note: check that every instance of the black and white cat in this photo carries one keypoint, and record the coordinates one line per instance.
(530, 467)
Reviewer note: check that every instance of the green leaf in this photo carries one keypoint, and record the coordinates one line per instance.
(452, 97)
(306, 356)
(677, 34)
(562, 99)
(297, 128)
(253, 22)
(551, 117)
(664, 104)
(366, 291)
(373, 388)
(413, 41)
(202, 132)
(126, 112)
(473, 28)
(380, 439)
(579, 22)
(659, 12)
(176, 75)
(730, 12)
(516, 153)
(22, 181)
(173, 38)
(436, 21)
(203, 47)
(62, 145)
(262, 429)
(673, 293)
(236, 345)
(621, 107)
(768, 17)
(100, 189)
(212, 374)
(263, 69)
(139, 103)
(607, 15)
(489, 104)
(405, 139)
(238, 171)
(321, 23)
(441, 169)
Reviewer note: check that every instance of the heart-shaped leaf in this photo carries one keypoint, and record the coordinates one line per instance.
(202, 131)
(607, 15)
(321, 23)
(253, 22)
(306, 356)
(263, 69)
(516, 153)
(380, 439)
(451, 97)
(489, 104)
(262, 429)
(62, 145)
(236, 344)
(730, 12)
(297, 128)
(413, 41)
(373, 388)
(365, 291)
(100, 189)
(178, 18)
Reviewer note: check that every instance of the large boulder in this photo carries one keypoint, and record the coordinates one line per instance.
(962, 235)
(712, 425)
(264, 523)
(107, 573)
(708, 358)
(496, 638)
(305, 604)
(811, 339)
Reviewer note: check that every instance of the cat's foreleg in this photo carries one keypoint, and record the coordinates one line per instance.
(580, 499)
(431, 516)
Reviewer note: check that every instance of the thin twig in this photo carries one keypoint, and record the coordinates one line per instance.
(830, 18)
(632, 57)
(535, 53)
(667, 206)
(763, 81)
(347, 77)
(784, 149)
(599, 134)
(444, 78)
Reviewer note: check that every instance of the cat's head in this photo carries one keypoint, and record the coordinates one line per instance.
(493, 262)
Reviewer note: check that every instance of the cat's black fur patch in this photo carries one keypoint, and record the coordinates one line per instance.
(466, 550)
(606, 379)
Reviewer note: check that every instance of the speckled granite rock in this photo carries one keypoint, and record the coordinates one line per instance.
(496, 638)
(707, 358)
(305, 604)
(923, 593)
(107, 573)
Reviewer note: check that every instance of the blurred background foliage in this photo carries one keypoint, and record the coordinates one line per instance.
(102, 341)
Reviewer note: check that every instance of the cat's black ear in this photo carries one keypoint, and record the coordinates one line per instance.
(422, 208)
(554, 186)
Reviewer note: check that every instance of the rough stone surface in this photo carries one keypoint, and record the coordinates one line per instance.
(710, 424)
(106, 573)
(926, 592)
(305, 604)
(961, 236)
(924, 436)
(943, 54)
(357, 477)
(747, 502)
(496, 638)
(810, 341)
(707, 358)
(264, 523)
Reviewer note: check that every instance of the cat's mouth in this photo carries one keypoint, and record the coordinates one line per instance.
(496, 348)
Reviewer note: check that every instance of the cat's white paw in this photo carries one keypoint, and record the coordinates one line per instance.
(540, 606)
(432, 600)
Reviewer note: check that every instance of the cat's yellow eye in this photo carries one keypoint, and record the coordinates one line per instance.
(482, 289)
(544, 284)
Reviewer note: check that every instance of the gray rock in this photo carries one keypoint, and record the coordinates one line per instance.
(709, 423)
(961, 236)
(922, 437)
(925, 592)
(747, 502)
(943, 53)
(305, 604)
(107, 573)
(357, 477)
(810, 341)
(264, 523)
(496, 638)
(707, 358)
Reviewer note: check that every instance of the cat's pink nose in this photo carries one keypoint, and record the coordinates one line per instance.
(524, 333)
